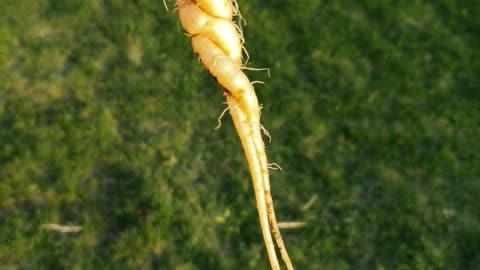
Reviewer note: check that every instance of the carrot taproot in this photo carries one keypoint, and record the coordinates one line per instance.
(218, 43)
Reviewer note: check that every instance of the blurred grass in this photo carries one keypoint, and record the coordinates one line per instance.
(106, 122)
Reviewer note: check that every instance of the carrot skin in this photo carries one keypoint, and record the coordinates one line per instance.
(217, 42)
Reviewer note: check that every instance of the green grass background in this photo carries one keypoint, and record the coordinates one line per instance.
(106, 122)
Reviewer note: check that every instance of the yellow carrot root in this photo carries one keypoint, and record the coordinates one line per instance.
(218, 43)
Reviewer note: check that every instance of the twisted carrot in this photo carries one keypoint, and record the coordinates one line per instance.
(217, 42)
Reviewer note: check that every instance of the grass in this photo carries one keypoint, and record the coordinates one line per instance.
(106, 122)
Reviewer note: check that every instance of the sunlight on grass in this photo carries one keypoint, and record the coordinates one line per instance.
(107, 123)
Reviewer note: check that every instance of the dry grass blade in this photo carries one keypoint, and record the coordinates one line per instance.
(61, 228)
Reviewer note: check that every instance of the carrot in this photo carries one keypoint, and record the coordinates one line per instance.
(218, 43)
